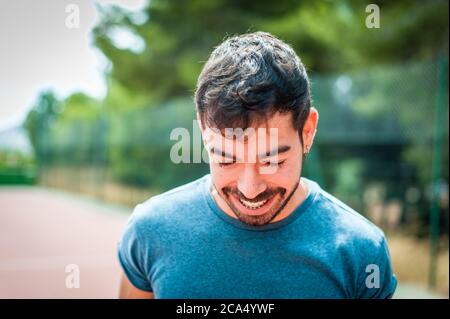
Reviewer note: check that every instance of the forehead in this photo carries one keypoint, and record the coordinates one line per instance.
(279, 127)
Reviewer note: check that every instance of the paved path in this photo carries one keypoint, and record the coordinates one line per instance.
(42, 231)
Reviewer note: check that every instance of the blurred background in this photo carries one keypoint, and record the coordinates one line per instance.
(90, 91)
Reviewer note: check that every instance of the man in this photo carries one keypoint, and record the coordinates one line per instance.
(253, 228)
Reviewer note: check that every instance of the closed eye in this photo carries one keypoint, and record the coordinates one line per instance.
(226, 164)
(274, 164)
(269, 164)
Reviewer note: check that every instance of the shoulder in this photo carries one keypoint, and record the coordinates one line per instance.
(349, 227)
(180, 203)
(354, 240)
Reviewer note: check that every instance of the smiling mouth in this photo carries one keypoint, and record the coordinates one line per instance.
(242, 206)
(253, 205)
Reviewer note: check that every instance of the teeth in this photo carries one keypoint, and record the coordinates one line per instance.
(253, 205)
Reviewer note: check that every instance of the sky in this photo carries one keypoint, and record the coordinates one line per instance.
(38, 51)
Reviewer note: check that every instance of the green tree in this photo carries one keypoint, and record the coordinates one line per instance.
(39, 121)
(330, 36)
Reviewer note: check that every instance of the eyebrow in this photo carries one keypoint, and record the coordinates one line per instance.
(279, 150)
(222, 153)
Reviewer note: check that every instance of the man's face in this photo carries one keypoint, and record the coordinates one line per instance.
(257, 174)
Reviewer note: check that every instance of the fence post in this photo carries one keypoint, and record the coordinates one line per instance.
(442, 86)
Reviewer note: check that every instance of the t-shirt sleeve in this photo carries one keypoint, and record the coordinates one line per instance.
(131, 254)
(379, 280)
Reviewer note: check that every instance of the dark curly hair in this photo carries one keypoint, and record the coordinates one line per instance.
(250, 77)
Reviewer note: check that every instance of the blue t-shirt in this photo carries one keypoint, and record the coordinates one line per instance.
(180, 244)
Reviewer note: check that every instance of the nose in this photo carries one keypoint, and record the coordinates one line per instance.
(250, 183)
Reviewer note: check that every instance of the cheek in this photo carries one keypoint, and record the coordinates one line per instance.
(222, 177)
(286, 175)
(281, 179)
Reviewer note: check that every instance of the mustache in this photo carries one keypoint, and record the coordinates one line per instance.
(261, 197)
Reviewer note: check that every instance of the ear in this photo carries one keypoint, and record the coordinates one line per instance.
(310, 128)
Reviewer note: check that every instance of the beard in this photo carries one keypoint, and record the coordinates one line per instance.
(259, 220)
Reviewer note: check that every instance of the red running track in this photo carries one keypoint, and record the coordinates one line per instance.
(42, 231)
